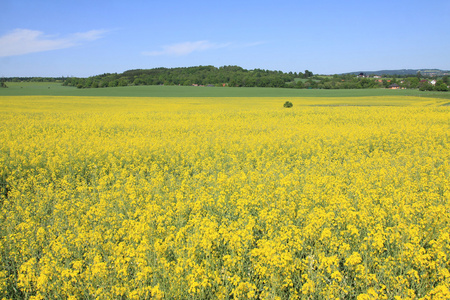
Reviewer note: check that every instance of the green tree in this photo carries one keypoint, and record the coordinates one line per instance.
(446, 79)
(441, 86)
(308, 74)
(299, 84)
(113, 83)
(426, 87)
(412, 82)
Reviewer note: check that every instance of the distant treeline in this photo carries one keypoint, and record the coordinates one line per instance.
(201, 75)
(33, 79)
(235, 76)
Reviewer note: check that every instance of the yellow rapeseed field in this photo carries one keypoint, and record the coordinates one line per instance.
(230, 198)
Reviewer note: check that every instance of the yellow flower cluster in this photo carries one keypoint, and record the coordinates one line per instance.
(184, 199)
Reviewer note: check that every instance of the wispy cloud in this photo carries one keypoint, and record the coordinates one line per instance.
(24, 41)
(252, 44)
(186, 48)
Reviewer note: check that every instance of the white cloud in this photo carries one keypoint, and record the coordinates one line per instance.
(24, 41)
(186, 48)
(253, 44)
(91, 35)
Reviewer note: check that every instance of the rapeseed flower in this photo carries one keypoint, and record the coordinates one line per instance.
(128, 198)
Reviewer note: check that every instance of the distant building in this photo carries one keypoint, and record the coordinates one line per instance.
(394, 86)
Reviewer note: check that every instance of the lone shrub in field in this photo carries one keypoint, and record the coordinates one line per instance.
(288, 104)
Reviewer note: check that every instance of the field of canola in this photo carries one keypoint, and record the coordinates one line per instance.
(221, 199)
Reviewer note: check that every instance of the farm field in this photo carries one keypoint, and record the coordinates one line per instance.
(224, 197)
(56, 89)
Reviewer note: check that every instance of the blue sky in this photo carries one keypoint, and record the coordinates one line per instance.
(84, 38)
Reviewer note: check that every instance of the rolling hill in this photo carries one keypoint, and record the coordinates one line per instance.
(405, 72)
